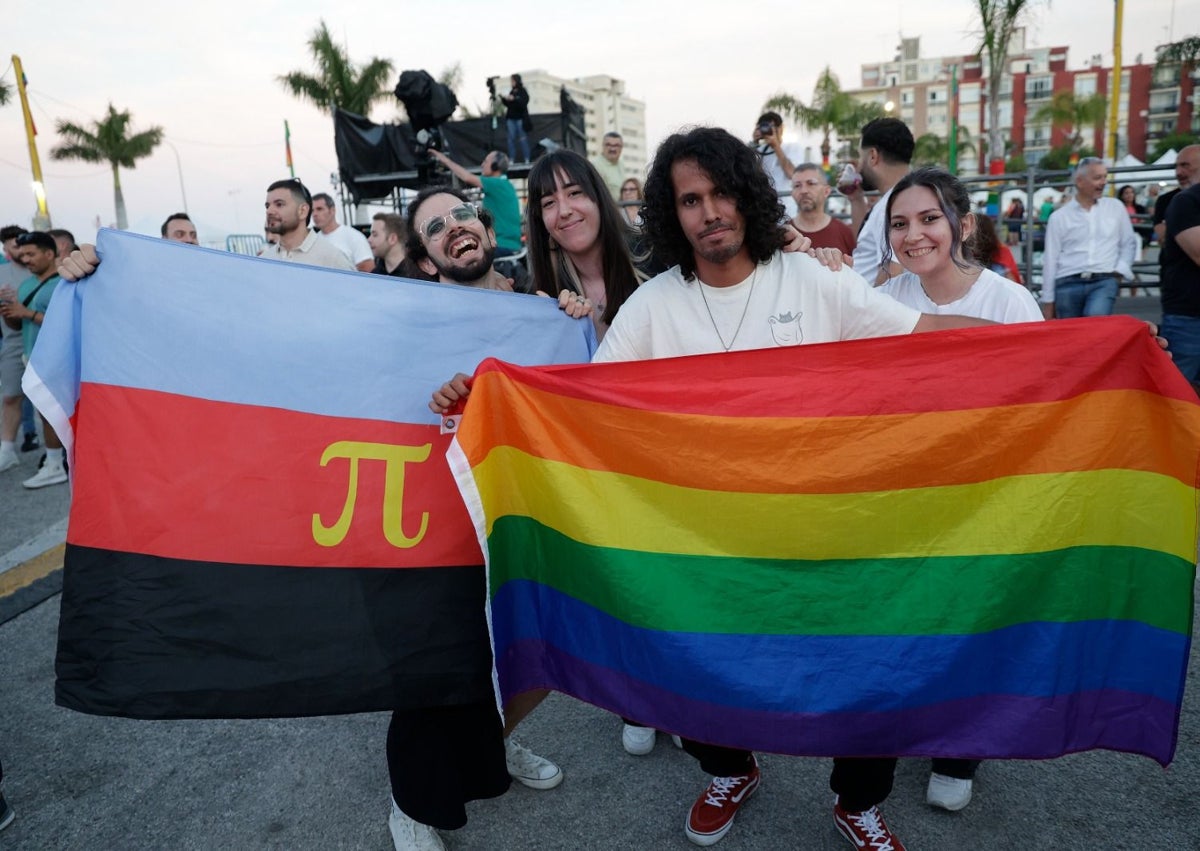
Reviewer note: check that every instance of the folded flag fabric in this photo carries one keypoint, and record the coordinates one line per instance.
(263, 522)
(966, 544)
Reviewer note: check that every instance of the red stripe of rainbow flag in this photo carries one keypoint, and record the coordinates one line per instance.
(975, 544)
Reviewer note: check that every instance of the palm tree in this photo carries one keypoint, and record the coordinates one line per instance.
(832, 111)
(108, 140)
(338, 81)
(998, 20)
(932, 149)
(1075, 113)
(1185, 51)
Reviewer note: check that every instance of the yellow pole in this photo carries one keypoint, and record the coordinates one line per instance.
(1114, 94)
(41, 220)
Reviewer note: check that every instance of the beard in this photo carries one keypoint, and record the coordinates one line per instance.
(868, 184)
(467, 273)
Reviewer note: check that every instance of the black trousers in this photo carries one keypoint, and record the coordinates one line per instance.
(441, 757)
(859, 783)
(963, 769)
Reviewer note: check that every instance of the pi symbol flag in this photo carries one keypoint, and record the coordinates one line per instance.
(450, 424)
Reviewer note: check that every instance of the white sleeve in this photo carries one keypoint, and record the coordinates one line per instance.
(868, 253)
(1050, 259)
(867, 312)
(361, 248)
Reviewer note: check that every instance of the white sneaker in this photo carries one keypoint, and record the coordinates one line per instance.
(949, 793)
(638, 741)
(8, 460)
(410, 835)
(51, 474)
(677, 742)
(528, 768)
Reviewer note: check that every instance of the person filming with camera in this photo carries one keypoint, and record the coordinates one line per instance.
(777, 158)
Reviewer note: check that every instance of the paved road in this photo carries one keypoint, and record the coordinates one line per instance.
(81, 783)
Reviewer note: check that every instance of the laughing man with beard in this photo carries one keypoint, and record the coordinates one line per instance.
(448, 237)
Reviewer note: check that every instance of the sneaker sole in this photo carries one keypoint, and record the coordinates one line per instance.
(706, 839)
(948, 806)
(45, 483)
(8, 818)
(537, 783)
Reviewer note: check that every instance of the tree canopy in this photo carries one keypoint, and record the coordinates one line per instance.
(337, 80)
(108, 140)
(830, 112)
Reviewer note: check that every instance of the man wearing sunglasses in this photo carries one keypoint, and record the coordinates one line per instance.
(289, 208)
(450, 238)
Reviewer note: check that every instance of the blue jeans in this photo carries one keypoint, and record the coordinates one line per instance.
(1074, 296)
(1183, 339)
(516, 133)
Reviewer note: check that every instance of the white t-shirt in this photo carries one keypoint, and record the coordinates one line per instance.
(790, 300)
(872, 240)
(351, 243)
(990, 297)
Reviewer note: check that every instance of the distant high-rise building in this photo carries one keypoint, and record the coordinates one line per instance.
(917, 90)
(607, 107)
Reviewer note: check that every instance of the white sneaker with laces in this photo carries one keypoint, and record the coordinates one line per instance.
(52, 473)
(638, 741)
(949, 793)
(529, 769)
(8, 460)
(410, 835)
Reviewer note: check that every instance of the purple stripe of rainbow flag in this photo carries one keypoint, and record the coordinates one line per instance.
(852, 548)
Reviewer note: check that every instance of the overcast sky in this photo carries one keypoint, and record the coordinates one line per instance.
(205, 72)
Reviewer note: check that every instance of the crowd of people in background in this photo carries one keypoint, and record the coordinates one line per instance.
(709, 255)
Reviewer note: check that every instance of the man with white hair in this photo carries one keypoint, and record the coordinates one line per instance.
(1090, 247)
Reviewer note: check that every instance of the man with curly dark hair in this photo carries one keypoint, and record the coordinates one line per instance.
(713, 212)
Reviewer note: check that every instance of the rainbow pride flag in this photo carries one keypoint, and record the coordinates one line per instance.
(970, 544)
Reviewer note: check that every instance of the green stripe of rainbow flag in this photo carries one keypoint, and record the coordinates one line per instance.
(970, 544)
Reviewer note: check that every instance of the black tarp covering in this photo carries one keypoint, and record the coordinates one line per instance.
(366, 148)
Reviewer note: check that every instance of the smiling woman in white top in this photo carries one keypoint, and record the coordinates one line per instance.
(930, 228)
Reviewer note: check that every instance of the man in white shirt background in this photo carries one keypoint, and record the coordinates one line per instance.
(778, 159)
(1090, 247)
(885, 152)
(351, 243)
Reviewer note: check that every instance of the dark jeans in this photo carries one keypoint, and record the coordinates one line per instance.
(1183, 337)
(1074, 296)
(963, 769)
(859, 783)
(517, 136)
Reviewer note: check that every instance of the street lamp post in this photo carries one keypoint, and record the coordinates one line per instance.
(179, 168)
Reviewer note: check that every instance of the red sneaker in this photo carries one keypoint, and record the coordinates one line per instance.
(866, 829)
(712, 814)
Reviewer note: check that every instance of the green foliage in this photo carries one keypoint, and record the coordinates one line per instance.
(108, 140)
(1059, 158)
(1186, 50)
(338, 81)
(831, 111)
(1015, 163)
(1174, 140)
(1065, 110)
(5, 92)
(932, 149)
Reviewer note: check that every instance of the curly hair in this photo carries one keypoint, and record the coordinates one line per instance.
(414, 248)
(953, 200)
(735, 168)
(551, 268)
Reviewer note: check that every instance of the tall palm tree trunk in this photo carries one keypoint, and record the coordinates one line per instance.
(119, 199)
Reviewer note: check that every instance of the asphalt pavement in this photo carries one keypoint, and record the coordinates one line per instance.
(84, 782)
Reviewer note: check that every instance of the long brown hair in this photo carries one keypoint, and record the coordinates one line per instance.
(551, 269)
